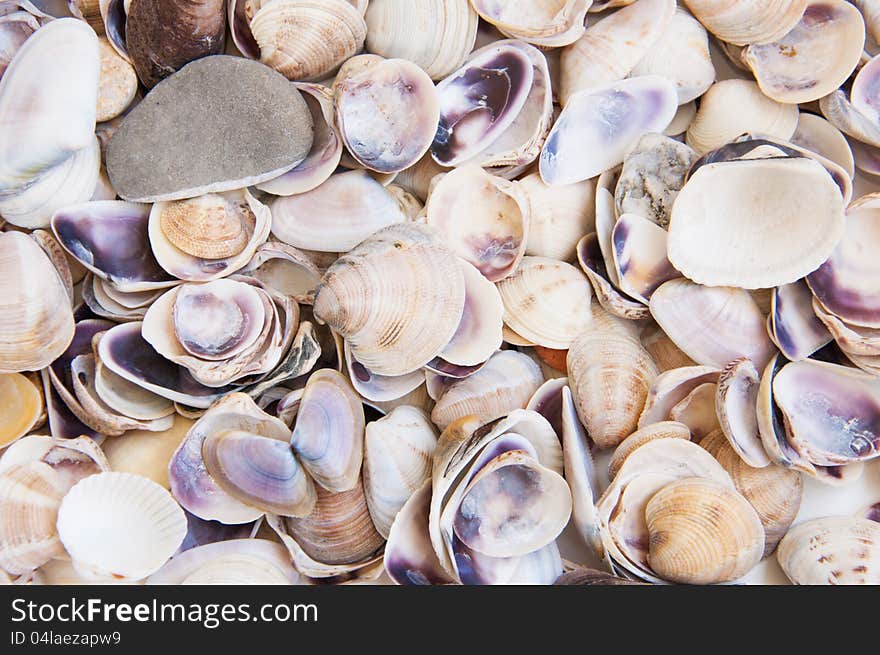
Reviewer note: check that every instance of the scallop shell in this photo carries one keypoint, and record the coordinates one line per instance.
(836, 550)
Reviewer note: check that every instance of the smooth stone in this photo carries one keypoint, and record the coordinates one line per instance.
(220, 123)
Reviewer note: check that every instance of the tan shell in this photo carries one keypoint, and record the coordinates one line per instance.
(21, 405)
(610, 374)
(697, 411)
(117, 83)
(558, 216)
(773, 491)
(205, 226)
(837, 550)
(748, 21)
(702, 532)
(147, 453)
(307, 39)
(663, 349)
(661, 430)
(30, 494)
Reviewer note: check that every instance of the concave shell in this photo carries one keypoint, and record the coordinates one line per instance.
(482, 217)
(671, 387)
(399, 29)
(661, 430)
(230, 562)
(712, 325)
(819, 136)
(398, 454)
(682, 55)
(48, 101)
(21, 405)
(554, 23)
(832, 411)
(339, 530)
(307, 39)
(336, 215)
(505, 383)
(702, 532)
(211, 236)
(329, 431)
(558, 216)
(147, 453)
(774, 492)
(736, 407)
(610, 49)
(397, 298)
(793, 325)
(846, 284)
(380, 388)
(15, 28)
(286, 270)
(730, 108)
(718, 234)
(72, 181)
(546, 301)
(593, 264)
(748, 21)
(134, 526)
(584, 141)
(37, 319)
(110, 238)
(260, 471)
(835, 550)
(369, 104)
(610, 374)
(479, 332)
(639, 255)
(814, 58)
(191, 484)
(161, 36)
(326, 150)
(30, 494)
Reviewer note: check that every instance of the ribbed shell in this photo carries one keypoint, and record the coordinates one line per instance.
(748, 21)
(836, 550)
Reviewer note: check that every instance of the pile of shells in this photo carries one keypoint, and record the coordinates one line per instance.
(440, 292)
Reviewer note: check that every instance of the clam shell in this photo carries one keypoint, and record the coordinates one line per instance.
(832, 550)
(661, 430)
(671, 387)
(682, 119)
(550, 24)
(285, 269)
(147, 453)
(505, 383)
(329, 431)
(30, 494)
(697, 411)
(639, 253)
(662, 349)
(793, 325)
(380, 388)
(394, 324)
(37, 320)
(21, 404)
(749, 21)
(612, 301)
(736, 407)
(134, 526)
(818, 135)
(558, 216)
(15, 28)
(702, 532)
(232, 562)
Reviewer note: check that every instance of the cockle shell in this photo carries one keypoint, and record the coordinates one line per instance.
(835, 550)
(748, 21)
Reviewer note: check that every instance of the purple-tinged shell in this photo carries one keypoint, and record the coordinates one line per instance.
(793, 325)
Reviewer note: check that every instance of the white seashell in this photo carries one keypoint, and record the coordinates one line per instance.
(558, 216)
(836, 550)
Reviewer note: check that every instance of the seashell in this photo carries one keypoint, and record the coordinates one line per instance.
(15, 28)
(712, 325)
(800, 187)
(30, 494)
(546, 301)
(773, 492)
(830, 411)
(453, 29)
(21, 405)
(583, 144)
(844, 284)
(639, 253)
(610, 374)
(593, 265)
(770, 424)
(681, 54)
(368, 104)
(661, 430)
(339, 530)
(814, 58)
(652, 175)
(732, 107)
(57, 69)
(326, 150)
(871, 14)
(410, 319)
(663, 351)
(286, 269)
(380, 388)
(702, 532)
(853, 340)
(89, 11)
(398, 453)
(417, 178)
(697, 411)
(682, 120)
(505, 383)
(793, 325)
(872, 512)
(736, 407)
(113, 16)
(751, 21)
(584, 576)
(307, 39)
(147, 453)
(134, 526)
(260, 471)
(835, 550)
(484, 219)
(37, 320)
(329, 431)
(671, 387)
(540, 567)
(552, 25)
(558, 216)
(337, 215)
(218, 146)
(117, 83)
(841, 113)
(204, 238)
(409, 558)
(610, 49)
(232, 562)
(72, 181)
